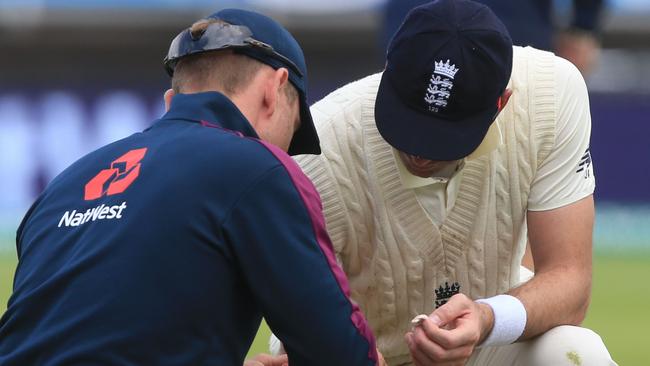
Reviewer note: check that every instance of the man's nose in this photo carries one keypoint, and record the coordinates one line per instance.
(418, 160)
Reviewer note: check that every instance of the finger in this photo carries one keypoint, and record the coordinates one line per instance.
(427, 350)
(380, 359)
(282, 360)
(417, 355)
(463, 334)
(457, 306)
(269, 360)
(252, 363)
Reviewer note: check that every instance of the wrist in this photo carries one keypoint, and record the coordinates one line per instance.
(487, 320)
(509, 320)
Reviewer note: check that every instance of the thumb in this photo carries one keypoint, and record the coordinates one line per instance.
(268, 360)
(457, 306)
(282, 360)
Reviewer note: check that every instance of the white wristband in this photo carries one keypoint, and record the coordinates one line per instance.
(509, 320)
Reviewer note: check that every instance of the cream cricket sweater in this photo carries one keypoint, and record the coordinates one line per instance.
(393, 254)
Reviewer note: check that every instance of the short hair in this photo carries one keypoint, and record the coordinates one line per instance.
(229, 71)
(290, 92)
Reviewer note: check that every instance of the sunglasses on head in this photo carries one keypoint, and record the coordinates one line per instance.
(221, 36)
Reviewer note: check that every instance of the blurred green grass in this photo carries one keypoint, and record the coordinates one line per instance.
(618, 312)
(620, 305)
(7, 267)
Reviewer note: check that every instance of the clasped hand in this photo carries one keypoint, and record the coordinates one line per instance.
(451, 333)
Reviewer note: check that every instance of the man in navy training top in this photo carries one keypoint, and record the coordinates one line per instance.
(168, 247)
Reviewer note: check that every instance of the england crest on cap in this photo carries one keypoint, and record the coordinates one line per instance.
(440, 85)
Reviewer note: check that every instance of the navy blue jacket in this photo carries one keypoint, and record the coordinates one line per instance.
(168, 247)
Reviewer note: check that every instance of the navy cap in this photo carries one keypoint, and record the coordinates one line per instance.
(446, 67)
(265, 40)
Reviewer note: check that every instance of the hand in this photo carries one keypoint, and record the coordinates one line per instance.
(579, 47)
(268, 360)
(450, 334)
(380, 359)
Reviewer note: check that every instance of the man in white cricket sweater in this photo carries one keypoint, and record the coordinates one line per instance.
(430, 198)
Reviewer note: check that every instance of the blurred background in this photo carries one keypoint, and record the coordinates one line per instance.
(77, 74)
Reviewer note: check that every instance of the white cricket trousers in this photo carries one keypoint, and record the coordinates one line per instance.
(564, 345)
(560, 346)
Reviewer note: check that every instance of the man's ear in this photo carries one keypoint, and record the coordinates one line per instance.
(504, 98)
(274, 85)
(169, 94)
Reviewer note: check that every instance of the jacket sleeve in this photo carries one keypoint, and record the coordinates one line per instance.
(340, 173)
(278, 234)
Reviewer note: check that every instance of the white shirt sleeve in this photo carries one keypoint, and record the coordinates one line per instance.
(566, 175)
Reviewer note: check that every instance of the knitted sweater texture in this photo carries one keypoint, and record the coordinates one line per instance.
(393, 254)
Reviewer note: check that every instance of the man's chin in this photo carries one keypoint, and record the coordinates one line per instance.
(420, 173)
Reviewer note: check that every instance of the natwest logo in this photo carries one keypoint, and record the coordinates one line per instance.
(124, 170)
(101, 212)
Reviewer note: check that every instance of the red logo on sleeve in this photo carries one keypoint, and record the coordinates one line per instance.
(124, 170)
